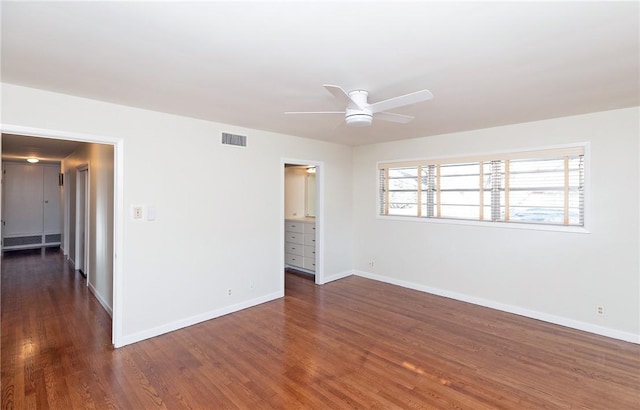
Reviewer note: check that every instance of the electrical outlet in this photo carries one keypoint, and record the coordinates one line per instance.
(600, 310)
(229, 292)
(372, 263)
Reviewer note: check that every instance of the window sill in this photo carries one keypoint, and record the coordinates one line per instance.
(487, 224)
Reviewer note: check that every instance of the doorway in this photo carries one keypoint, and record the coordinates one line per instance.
(303, 218)
(82, 220)
(116, 157)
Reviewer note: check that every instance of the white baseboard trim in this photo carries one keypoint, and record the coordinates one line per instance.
(337, 276)
(545, 317)
(101, 300)
(179, 324)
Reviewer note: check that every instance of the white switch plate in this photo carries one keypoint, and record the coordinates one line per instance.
(151, 213)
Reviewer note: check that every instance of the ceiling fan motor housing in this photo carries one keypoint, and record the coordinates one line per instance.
(358, 116)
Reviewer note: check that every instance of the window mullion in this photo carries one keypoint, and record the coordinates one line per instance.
(386, 191)
(495, 190)
(507, 191)
(566, 190)
(419, 189)
(438, 190)
(481, 190)
(581, 189)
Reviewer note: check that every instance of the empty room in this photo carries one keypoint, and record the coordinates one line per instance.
(313, 205)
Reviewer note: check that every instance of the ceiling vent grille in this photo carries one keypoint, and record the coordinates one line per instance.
(233, 139)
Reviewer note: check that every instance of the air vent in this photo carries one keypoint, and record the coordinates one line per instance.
(22, 240)
(53, 238)
(233, 139)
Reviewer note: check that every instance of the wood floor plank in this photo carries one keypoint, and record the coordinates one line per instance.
(352, 343)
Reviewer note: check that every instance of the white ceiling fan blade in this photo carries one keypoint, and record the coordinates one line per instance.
(389, 116)
(407, 99)
(315, 112)
(341, 95)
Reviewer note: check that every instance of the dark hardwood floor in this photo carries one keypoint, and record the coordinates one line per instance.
(353, 343)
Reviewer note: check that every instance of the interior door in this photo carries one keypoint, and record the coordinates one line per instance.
(52, 217)
(23, 196)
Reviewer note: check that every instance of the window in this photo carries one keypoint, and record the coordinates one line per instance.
(537, 187)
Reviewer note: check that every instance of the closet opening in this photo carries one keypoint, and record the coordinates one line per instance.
(301, 219)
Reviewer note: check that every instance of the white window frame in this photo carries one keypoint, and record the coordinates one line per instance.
(518, 153)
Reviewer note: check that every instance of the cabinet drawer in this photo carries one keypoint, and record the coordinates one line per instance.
(309, 263)
(309, 239)
(294, 248)
(294, 226)
(293, 260)
(310, 252)
(310, 228)
(294, 237)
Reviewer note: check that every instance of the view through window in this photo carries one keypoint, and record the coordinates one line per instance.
(539, 187)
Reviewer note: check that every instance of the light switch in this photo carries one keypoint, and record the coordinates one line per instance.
(151, 213)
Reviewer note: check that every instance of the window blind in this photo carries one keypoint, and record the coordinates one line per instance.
(541, 186)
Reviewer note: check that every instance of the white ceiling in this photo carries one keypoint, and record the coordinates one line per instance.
(246, 63)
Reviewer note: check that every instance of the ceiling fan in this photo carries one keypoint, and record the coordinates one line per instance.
(359, 113)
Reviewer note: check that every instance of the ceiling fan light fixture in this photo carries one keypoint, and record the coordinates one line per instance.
(359, 120)
(358, 117)
(33, 160)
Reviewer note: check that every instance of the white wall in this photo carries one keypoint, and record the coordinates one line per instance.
(219, 209)
(100, 158)
(555, 276)
(210, 235)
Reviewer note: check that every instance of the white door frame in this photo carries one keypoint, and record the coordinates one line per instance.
(118, 209)
(320, 171)
(82, 218)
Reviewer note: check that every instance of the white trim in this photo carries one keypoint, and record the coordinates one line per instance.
(488, 224)
(193, 320)
(86, 223)
(118, 212)
(545, 317)
(100, 299)
(586, 147)
(483, 154)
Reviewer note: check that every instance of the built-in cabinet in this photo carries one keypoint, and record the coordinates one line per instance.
(31, 208)
(300, 244)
